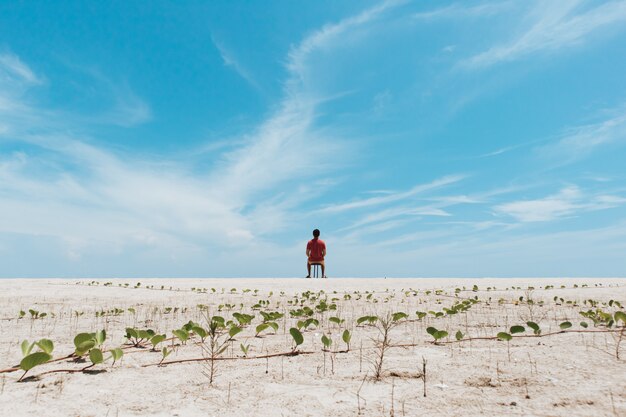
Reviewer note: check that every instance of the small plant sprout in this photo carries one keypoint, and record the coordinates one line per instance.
(298, 339)
(165, 352)
(243, 319)
(234, 331)
(346, 337)
(336, 320)
(436, 334)
(565, 325)
(384, 325)
(116, 354)
(137, 336)
(517, 329)
(199, 331)
(30, 360)
(420, 314)
(264, 326)
(327, 342)
(216, 345)
(156, 339)
(367, 319)
(182, 335)
(535, 327)
(305, 324)
(506, 337)
(244, 349)
(458, 335)
(399, 316)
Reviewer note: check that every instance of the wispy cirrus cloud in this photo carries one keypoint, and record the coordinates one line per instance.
(578, 142)
(553, 26)
(325, 37)
(458, 10)
(230, 61)
(394, 197)
(13, 67)
(91, 197)
(569, 201)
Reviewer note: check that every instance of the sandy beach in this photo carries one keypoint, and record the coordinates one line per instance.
(563, 371)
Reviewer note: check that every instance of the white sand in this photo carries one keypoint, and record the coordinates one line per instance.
(570, 374)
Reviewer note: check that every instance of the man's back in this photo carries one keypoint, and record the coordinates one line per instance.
(316, 249)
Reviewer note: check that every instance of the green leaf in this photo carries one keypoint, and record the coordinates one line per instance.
(565, 325)
(431, 331)
(326, 341)
(156, 339)
(620, 315)
(584, 324)
(81, 338)
(362, 320)
(517, 329)
(297, 336)
(101, 336)
(116, 354)
(181, 334)
(200, 331)
(130, 332)
(165, 352)
(440, 334)
(261, 327)
(145, 334)
(95, 356)
(399, 316)
(34, 359)
(458, 335)
(234, 330)
(534, 326)
(26, 347)
(346, 336)
(85, 346)
(504, 336)
(310, 322)
(46, 345)
(335, 320)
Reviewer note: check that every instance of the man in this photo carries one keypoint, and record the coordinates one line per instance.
(315, 252)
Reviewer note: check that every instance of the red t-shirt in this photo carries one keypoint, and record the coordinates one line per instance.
(317, 247)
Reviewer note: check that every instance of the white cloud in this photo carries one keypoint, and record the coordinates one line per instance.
(230, 61)
(555, 25)
(91, 199)
(579, 141)
(327, 37)
(11, 66)
(393, 197)
(458, 10)
(567, 202)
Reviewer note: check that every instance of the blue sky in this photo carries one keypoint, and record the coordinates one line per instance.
(424, 138)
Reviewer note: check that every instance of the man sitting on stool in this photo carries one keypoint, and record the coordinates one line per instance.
(315, 251)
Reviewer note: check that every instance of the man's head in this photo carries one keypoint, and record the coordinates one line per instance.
(316, 233)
